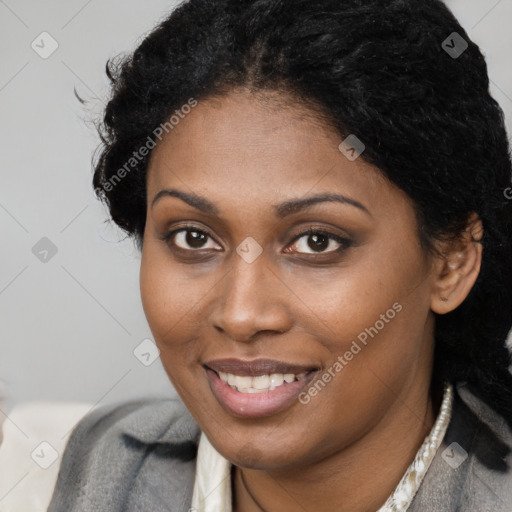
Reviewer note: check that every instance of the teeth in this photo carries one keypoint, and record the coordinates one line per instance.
(253, 390)
(276, 379)
(259, 384)
(243, 382)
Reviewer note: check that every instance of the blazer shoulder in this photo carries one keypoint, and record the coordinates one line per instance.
(472, 469)
(147, 421)
(107, 447)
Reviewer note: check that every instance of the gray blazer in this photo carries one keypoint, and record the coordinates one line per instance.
(141, 456)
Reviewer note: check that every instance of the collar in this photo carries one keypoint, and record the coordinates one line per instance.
(409, 484)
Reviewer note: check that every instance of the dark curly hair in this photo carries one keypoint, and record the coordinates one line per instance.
(377, 69)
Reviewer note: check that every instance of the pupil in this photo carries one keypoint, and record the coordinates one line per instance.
(319, 242)
(194, 239)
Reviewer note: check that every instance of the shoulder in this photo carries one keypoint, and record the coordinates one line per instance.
(128, 457)
(145, 421)
(472, 469)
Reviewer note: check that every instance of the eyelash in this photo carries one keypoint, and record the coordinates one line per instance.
(345, 243)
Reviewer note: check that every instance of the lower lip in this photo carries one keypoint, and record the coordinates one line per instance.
(254, 405)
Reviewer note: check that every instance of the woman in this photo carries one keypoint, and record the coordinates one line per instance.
(317, 191)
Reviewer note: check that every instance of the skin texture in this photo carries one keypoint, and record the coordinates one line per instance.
(246, 155)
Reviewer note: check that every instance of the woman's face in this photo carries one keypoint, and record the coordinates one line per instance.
(327, 336)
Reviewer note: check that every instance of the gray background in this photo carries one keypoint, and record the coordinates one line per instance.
(69, 326)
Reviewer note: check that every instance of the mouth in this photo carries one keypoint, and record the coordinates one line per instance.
(257, 388)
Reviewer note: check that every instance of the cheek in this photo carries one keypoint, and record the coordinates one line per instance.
(167, 298)
(374, 316)
(350, 300)
(165, 311)
(379, 354)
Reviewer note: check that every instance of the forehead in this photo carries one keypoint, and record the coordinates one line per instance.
(256, 144)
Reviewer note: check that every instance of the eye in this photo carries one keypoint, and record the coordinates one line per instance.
(318, 240)
(192, 239)
(189, 238)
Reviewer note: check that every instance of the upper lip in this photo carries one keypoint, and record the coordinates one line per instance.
(256, 367)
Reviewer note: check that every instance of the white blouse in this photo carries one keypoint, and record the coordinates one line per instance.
(212, 486)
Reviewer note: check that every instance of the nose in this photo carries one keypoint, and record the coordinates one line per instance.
(251, 300)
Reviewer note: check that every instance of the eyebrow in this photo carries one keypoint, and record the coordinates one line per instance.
(200, 203)
(281, 210)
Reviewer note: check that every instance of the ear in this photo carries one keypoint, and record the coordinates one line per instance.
(457, 267)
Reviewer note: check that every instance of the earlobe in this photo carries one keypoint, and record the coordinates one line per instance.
(457, 270)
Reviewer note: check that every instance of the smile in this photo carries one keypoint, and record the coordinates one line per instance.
(257, 388)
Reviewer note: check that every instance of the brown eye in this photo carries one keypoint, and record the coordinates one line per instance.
(317, 241)
(189, 239)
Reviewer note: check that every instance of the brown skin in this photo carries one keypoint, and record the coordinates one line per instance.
(348, 448)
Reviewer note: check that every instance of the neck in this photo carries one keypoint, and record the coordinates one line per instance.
(357, 479)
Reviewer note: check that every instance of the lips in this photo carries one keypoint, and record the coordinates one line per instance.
(254, 403)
